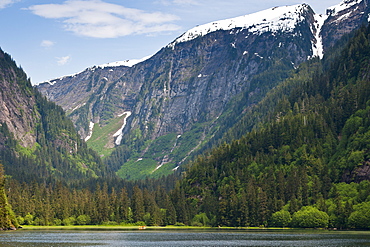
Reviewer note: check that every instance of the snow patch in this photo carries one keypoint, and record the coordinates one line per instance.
(258, 55)
(119, 133)
(91, 127)
(345, 16)
(271, 20)
(317, 45)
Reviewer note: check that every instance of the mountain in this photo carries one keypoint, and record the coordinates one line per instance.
(148, 118)
(311, 151)
(37, 141)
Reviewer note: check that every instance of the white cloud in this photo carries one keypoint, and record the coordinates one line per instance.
(178, 2)
(47, 43)
(95, 18)
(7, 3)
(63, 60)
(185, 2)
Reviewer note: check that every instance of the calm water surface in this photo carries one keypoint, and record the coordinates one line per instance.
(183, 238)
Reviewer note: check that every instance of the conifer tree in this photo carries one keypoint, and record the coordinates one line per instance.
(138, 204)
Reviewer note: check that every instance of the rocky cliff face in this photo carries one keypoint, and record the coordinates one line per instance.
(182, 91)
(17, 103)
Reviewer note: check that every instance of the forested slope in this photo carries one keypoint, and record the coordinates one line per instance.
(316, 138)
(37, 141)
(303, 162)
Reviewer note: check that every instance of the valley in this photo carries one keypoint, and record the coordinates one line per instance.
(256, 121)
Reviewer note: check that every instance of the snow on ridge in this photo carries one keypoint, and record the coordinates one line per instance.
(53, 81)
(127, 63)
(274, 19)
(345, 4)
(119, 133)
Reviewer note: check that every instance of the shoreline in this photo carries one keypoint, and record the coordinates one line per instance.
(119, 227)
(169, 228)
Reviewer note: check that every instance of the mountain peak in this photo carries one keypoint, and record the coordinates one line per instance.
(284, 18)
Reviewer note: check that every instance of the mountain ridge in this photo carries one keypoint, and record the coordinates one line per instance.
(185, 89)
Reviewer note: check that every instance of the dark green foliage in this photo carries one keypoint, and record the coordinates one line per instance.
(7, 216)
(57, 204)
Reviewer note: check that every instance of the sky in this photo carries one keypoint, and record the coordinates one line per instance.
(50, 39)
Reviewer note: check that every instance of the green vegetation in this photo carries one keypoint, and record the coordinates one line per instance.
(360, 218)
(161, 146)
(137, 169)
(7, 216)
(102, 140)
(310, 217)
(58, 205)
(281, 218)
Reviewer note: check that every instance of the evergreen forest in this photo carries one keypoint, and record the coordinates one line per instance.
(299, 158)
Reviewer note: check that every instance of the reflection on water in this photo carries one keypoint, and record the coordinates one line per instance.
(183, 238)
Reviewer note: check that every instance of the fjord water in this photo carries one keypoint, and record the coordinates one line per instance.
(184, 238)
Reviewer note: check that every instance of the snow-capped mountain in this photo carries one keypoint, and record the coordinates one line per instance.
(272, 20)
(180, 96)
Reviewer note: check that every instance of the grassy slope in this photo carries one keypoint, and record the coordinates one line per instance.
(102, 140)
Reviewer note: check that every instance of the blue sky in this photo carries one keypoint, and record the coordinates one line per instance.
(49, 39)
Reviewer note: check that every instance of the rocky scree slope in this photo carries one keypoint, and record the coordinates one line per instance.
(179, 97)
